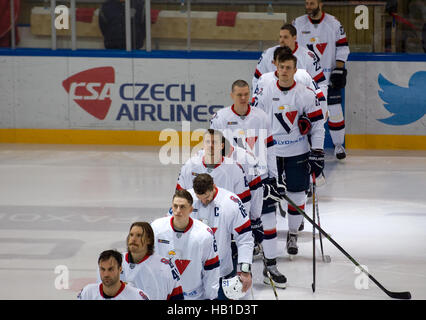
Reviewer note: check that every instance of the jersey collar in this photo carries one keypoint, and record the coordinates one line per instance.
(295, 47)
(101, 289)
(282, 89)
(216, 165)
(315, 21)
(216, 191)
(191, 222)
(244, 115)
(128, 257)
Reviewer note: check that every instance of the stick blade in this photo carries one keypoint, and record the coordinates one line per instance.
(326, 259)
(399, 295)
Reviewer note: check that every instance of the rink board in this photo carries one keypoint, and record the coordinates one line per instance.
(385, 102)
(115, 97)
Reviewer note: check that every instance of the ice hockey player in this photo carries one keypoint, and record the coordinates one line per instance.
(191, 245)
(324, 35)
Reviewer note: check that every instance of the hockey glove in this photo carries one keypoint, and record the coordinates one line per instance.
(338, 78)
(316, 161)
(274, 191)
(257, 230)
(304, 125)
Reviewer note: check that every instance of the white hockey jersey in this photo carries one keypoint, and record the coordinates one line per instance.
(226, 216)
(284, 108)
(155, 275)
(307, 60)
(228, 174)
(194, 252)
(251, 132)
(326, 38)
(301, 76)
(251, 169)
(95, 291)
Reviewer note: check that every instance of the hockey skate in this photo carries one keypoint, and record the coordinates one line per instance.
(292, 248)
(277, 277)
(340, 152)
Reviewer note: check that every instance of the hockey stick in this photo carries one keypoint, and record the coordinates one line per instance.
(313, 235)
(325, 258)
(396, 295)
(267, 271)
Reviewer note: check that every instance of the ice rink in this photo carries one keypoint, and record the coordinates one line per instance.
(60, 206)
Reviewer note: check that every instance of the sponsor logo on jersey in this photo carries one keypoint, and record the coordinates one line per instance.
(306, 32)
(230, 123)
(407, 105)
(163, 241)
(91, 90)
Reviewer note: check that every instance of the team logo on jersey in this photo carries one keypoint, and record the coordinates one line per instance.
(321, 47)
(91, 90)
(171, 253)
(407, 105)
(251, 141)
(181, 265)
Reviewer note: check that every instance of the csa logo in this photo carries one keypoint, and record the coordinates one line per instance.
(91, 90)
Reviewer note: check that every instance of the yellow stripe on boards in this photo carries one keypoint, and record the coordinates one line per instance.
(112, 137)
(389, 142)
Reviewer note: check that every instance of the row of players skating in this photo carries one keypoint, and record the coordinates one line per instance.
(322, 50)
(292, 162)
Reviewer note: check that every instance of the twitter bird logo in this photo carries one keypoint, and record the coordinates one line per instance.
(407, 104)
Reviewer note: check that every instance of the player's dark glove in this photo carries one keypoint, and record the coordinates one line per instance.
(257, 230)
(316, 161)
(338, 78)
(274, 190)
(304, 125)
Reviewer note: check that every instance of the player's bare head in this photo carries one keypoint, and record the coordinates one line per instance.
(287, 57)
(183, 194)
(240, 94)
(288, 36)
(313, 7)
(213, 143)
(239, 84)
(108, 254)
(181, 208)
(290, 28)
(204, 188)
(203, 183)
(281, 50)
(109, 263)
(140, 237)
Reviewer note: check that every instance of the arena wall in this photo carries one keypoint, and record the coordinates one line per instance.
(117, 97)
